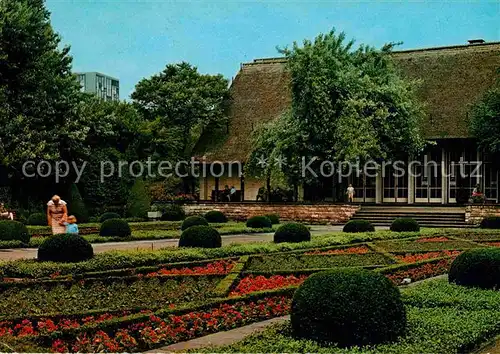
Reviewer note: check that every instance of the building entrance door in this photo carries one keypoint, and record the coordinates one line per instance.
(395, 186)
(364, 188)
(428, 178)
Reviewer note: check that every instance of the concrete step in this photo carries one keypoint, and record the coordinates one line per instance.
(401, 215)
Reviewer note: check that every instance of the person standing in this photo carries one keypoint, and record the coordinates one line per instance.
(57, 213)
(350, 193)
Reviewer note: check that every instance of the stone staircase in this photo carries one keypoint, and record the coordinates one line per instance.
(427, 216)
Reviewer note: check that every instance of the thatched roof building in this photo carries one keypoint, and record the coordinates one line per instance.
(452, 78)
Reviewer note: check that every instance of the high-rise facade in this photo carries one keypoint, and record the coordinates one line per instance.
(103, 86)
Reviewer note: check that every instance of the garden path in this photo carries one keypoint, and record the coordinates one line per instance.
(29, 253)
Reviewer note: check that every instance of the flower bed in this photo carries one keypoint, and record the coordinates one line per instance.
(252, 283)
(420, 272)
(219, 267)
(420, 246)
(415, 257)
(494, 244)
(158, 331)
(350, 250)
(433, 239)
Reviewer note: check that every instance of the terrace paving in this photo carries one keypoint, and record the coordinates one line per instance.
(30, 253)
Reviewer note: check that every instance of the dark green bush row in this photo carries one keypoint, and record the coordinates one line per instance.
(259, 222)
(13, 231)
(193, 221)
(109, 215)
(65, 248)
(405, 225)
(275, 218)
(358, 226)
(200, 236)
(490, 222)
(216, 216)
(477, 268)
(173, 212)
(115, 227)
(292, 232)
(37, 219)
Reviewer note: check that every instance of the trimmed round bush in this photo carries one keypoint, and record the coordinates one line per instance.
(348, 307)
(109, 215)
(37, 219)
(216, 216)
(173, 212)
(292, 232)
(115, 228)
(259, 222)
(405, 224)
(65, 248)
(490, 222)
(193, 221)
(200, 236)
(14, 230)
(359, 226)
(477, 268)
(275, 218)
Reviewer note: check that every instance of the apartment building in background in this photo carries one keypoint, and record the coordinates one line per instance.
(103, 86)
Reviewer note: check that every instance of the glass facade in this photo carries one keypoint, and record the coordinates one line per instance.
(104, 87)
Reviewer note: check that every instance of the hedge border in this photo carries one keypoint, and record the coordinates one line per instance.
(226, 284)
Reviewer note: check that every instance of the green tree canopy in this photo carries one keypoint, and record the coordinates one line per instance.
(347, 105)
(485, 121)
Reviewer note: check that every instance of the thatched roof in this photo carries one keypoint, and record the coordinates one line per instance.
(452, 78)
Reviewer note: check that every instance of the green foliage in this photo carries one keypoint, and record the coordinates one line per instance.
(173, 212)
(358, 226)
(292, 232)
(348, 307)
(109, 215)
(405, 225)
(200, 236)
(76, 206)
(215, 216)
(65, 248)
(115, 227)
(477, 268)
(275, 218)
(485, 121)
(259, 222)
(138, 202)
(412, 246)
(193, 221)
(347, 104)
(13, 230)
(37, 219)
(490, 222)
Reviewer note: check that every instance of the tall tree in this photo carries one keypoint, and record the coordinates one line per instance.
(347, 105)
(485, 121)
(181, 100)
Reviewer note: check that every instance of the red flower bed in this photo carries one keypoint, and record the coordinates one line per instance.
(421, 272)
(251, 284)
(176, 328)
(495, 244)
(415, 257)
(433, 239)
(218, 267)
(350, 250)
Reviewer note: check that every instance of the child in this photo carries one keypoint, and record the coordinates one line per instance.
(71, 226)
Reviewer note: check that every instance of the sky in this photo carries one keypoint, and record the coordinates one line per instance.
(132, 40)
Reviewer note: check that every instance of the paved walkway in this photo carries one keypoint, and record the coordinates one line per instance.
(28, 253)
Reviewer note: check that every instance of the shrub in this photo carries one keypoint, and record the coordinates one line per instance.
(477, 268)
(200, 236)
(405, 224)
(292, 232)
(115, 227)
(490, 222)
(275, 218)
(348, 307)
(173, 212)
(37, 219)
(76, 206)
(358, 226)
(193, 221)
(138, 202)
(65, 248)
(14, 230)
(259, 222)
(216, 216)
(109, 215)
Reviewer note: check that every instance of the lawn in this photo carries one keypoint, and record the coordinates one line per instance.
(140, 300)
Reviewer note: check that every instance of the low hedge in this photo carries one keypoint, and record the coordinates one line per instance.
(405, 225)
(37, 219)
(275, 218)
(216, 216)
(65, 248)
(200, 236)
(173, 212)
(193, 221)
(115, 227)
(292, 232)
(477, 268)
(490, 222)
(259, 222)
(348, 307)
(13, 231)
(358, 225)
(109, 215)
